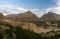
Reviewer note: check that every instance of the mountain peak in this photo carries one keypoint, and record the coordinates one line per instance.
(28, 12)
(50, 13)
(50, 16)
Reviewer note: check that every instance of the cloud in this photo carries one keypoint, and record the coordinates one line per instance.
(8, 8)
(58, 2)
(38, 12)
(11, 9)
(55, 9)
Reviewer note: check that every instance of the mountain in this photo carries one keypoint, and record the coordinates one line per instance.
(2, 17)
(27, 16)
(50, 16)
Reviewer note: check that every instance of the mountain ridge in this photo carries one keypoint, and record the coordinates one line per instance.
(30, 16)
(27, 16)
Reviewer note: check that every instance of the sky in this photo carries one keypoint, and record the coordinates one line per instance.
(38, 7)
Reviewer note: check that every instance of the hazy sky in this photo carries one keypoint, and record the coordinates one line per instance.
(39, 7)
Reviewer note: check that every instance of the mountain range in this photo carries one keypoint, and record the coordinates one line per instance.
(29, 16)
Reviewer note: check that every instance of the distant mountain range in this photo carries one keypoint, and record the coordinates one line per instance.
(29, 16)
